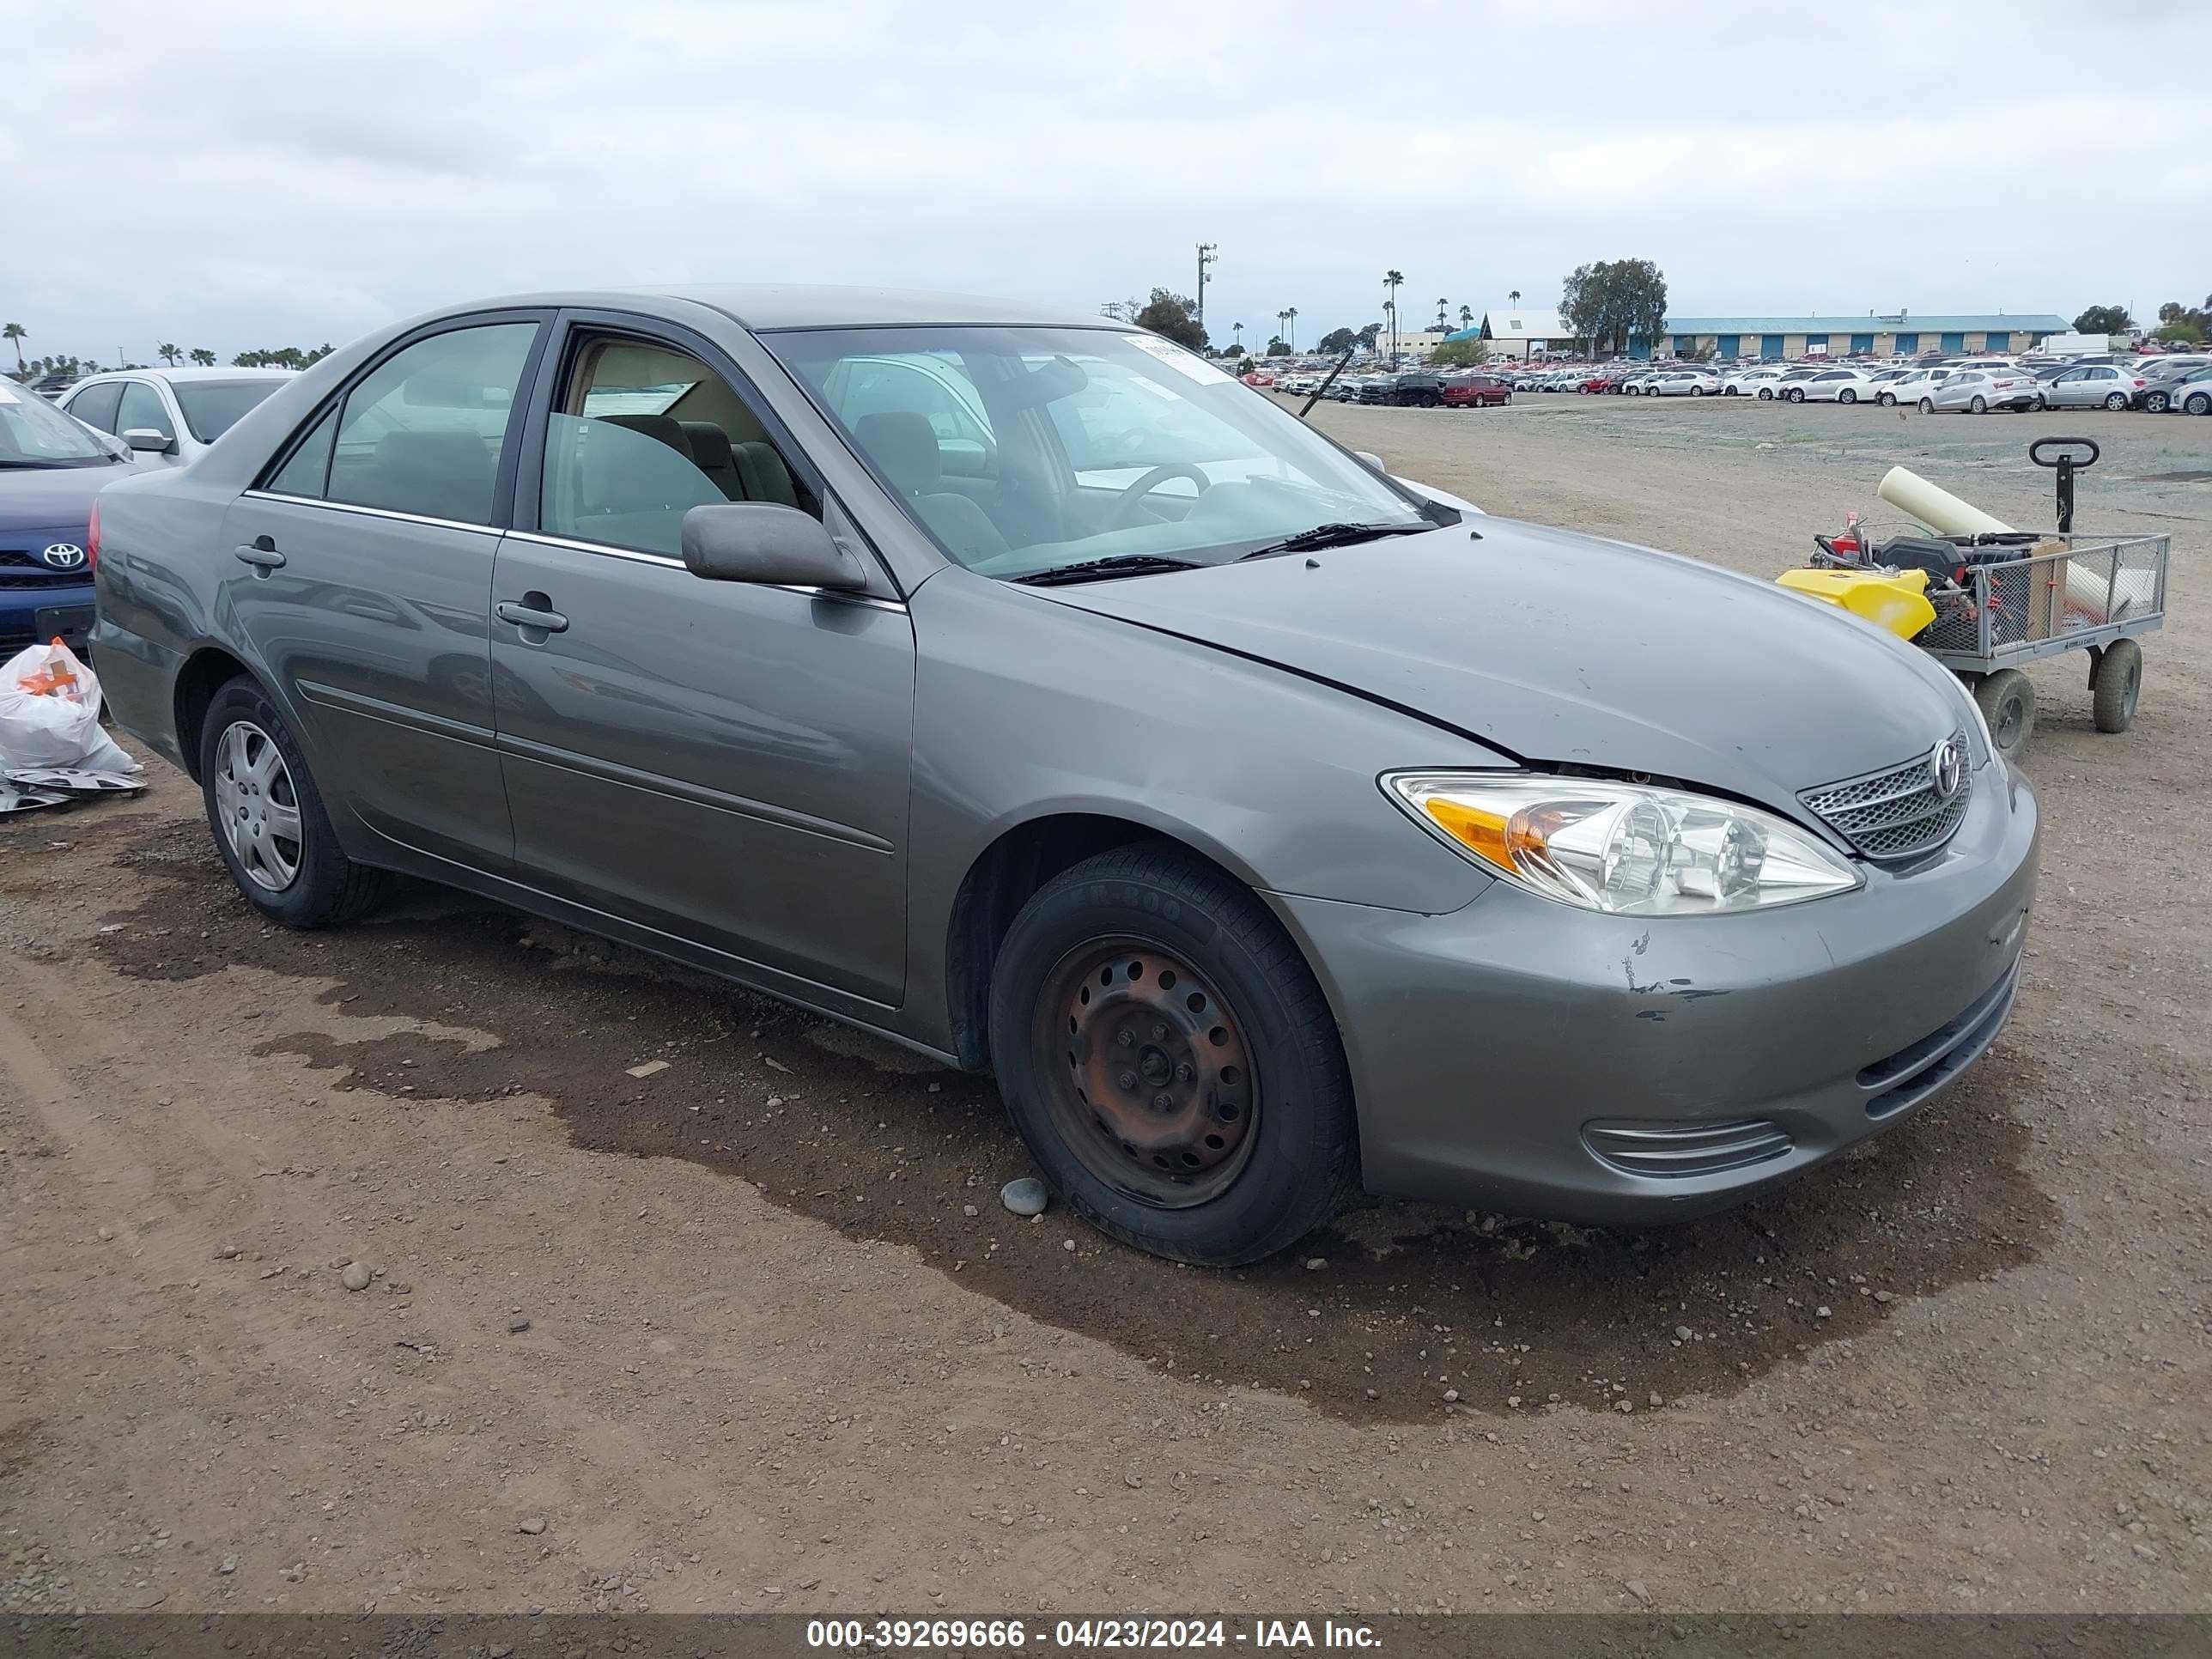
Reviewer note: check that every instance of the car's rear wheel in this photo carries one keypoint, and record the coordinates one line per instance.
(270, 826)
(1979, 405)
(1169, 1061)
(1696, 391)
(2155, 402)
(1766, 394)
(1796, 394)
(1886, 399)
(1927, 405)
(1847, 395)
(2117, 401)
(2008, 703)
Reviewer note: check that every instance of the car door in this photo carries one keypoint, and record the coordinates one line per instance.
(2066, 391)
(361, 581)
(95, 404)
(140, 408)
(717, 762)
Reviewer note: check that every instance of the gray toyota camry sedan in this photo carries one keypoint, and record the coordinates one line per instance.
(1021, 687)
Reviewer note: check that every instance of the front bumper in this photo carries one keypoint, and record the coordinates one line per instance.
(1524, 1056)
(31, 616)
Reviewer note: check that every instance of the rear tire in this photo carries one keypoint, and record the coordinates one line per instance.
(1766, 394)
(1245, 1158)
(1927, 405)
(1847, 395)
(2008, 703)
(1886, 399)
(2155, 402)
(1796, 394)
(270, 829)
(1977, 404)
(2116, 686)
(2116, 402)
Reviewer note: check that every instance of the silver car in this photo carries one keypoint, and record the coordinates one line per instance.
(2100, 385)
(1267, 824)
(2187, 394)
(170, 416)
(1685, 383)
(1977, 391)
(2160, 376)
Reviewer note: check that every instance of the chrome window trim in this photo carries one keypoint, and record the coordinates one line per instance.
(368, 512)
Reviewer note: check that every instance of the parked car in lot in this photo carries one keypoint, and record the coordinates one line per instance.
(1832, 386)
(1756, 381)
(1475, 391)
(1977, 391)
(1790, 388)
(1685, 383)
(51, 469)
(2190, 394)
(171, 415)
(2160, 376)
(1909, 386)
(663, 614)
(2099, 386)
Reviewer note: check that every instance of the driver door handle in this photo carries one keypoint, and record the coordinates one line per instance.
(261, 553)
(525, 616)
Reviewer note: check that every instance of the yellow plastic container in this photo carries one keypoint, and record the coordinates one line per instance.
(1896, 600)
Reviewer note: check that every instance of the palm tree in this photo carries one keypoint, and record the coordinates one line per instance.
(1290, 320)
(1466, 316)
(202, 356)
(1443, 315)
(16, 334)
(1392, 280)
(1237, 333)
(1514, 298)
(169, 354)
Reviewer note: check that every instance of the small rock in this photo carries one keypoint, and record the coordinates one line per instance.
(497, 1650)
(516, 1326)
(1133, 1480)
(1824, 1312)
(1624, 1404)
(969, 1210)
(1884, 1296)
(1634, 1588)
(1316, 1263)
(648, 1068)
(533, 1526)
(1657, 1399)
(1026, 1196)
(1451, 1396)
(1683, 1333)
(356, 1276)
(227, 1566)
(226, 1252)
(1373, 1395)
(1067, 1244)
(106, 1233)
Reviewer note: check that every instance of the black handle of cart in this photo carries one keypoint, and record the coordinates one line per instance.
(2066, 461)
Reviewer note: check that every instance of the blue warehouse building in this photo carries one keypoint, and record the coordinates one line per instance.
(1517, 334)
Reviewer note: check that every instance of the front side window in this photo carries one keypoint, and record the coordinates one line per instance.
(140, 410)
(95, 404)
(639, 434)
(422, 432)
(1098, 443)
(212, 408)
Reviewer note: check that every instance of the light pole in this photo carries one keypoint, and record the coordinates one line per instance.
(1205, 257)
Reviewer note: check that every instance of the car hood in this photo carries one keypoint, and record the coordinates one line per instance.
(46, 498)
(1570, 650)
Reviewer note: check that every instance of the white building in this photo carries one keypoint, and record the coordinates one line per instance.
(1520, 334)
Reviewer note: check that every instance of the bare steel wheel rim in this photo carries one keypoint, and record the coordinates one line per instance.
(258, 807)
(1146, 1071)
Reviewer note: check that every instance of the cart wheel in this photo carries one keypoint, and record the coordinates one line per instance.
(2116, 686)
(2008, 703)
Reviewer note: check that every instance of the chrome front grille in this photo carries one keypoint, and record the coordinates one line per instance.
(1676, 1149)
(1899, 811)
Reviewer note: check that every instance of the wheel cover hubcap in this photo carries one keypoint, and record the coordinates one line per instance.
(257, 808)
(1149, 1078)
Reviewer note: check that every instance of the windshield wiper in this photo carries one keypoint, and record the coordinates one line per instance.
(1336, 535)
(1121, 565)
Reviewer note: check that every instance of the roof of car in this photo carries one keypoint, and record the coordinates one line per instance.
(767, 306)
(192, 374)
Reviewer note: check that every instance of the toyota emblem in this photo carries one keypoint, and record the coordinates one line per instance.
(63, 556)
(1950, 767)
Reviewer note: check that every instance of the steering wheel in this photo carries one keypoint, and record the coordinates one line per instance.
(1125, 507)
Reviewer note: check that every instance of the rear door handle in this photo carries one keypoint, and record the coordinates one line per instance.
(261, 553)
(525, 616)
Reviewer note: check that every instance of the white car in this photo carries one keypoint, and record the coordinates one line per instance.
(170, 416)
(1755, 382)
(1832, 386)
(1909, 386)
(1977, 391)
(1685, 383)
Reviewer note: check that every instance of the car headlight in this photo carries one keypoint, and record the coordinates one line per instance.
(1624, 848)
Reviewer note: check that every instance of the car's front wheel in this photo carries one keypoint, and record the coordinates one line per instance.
(1886, 399)
(270, 826)
(1927, 405)
(2198, 403)
(1847, 395)
(2117, 401)
(1169, 1061)
(2154, 401)
(1766, 394)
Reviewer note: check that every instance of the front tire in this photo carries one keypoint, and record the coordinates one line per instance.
(2155, 402)
(1927, 405)
(2008, 703)
(1766, 394)
(1886, 399)
(1146, 975)
(270, 826)
(1847, 395)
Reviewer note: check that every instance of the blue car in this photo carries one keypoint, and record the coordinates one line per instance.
(51, 468)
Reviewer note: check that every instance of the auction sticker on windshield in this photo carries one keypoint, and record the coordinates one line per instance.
(1176, 358)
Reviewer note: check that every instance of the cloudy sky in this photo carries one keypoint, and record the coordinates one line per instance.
(243, 174)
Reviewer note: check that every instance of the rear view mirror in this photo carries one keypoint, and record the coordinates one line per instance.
(147, 439)
(776, 546)
(1372, 461)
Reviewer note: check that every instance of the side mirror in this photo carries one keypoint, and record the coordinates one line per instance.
(145, 438)
(774, 546)
(1372, 461)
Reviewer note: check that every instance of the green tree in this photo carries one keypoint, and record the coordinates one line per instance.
(2103, 320)
(202, 356)
(1336, 341)
(1466, 316)
(168, 354)
(16, 334)
(1172, 315)
(1233, 351)
(1460, 354)
(2183, 331)
(1369, 335)
(1610, 302)
(1392, 281)
(1443, 315)
(1279, 347)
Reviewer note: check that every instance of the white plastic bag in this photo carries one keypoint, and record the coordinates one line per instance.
(50, 713)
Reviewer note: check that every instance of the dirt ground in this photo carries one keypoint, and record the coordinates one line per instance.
(752, 1333)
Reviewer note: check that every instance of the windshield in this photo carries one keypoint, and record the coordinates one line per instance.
(1025, 450)
(213, 407)
(34, 433)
